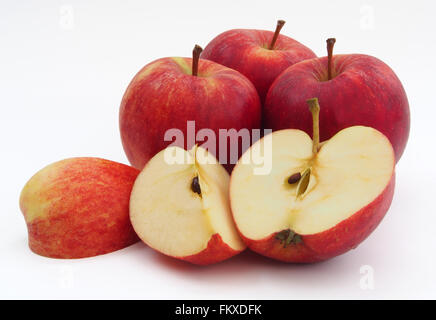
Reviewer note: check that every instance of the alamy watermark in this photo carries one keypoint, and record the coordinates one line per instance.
(367, 277)
(226, 146)
(66, 17)
(367, 17)
(66, 277)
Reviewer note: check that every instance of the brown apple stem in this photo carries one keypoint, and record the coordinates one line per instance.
(314, 109)
(330, 45)
(280, 24)
(195, 58)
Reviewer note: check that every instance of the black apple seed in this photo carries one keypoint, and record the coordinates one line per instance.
(195, 186)
(294, 178)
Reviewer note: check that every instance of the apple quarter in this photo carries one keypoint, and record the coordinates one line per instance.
(182, 209)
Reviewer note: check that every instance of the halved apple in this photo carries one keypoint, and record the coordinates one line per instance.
(180, 207)
(316, 202)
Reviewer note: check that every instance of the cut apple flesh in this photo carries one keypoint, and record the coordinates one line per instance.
(349, 171)
(170, 214)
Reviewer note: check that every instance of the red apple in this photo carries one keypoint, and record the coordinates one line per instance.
(316, 202)
(361, 90)
(78, 208)
(169, 92)
(182, 209)
(260, 55)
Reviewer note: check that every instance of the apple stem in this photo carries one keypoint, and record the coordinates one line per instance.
(330, 45)
(314, 109)
(280, 24)
(195, 158)
(195, 58)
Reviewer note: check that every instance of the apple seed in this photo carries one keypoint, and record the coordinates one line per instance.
(195, 186)
(294, 178)
(304, 182)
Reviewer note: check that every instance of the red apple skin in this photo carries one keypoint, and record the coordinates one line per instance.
(78, 208)
(335, 241)
(364, 91)
(246, 51)
(216, 251)
(165, 95)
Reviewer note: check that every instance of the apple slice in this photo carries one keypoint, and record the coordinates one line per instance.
(180, 207)
(316, 202)
(78, 208)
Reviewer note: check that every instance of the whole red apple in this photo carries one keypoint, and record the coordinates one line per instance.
(353, 89)
(169, 92)
(260, 55)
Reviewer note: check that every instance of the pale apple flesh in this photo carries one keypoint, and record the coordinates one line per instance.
(173, 219)
(349, 191)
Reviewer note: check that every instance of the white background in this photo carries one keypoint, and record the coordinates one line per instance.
(64, 66)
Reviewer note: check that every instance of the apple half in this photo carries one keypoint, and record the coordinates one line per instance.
(319, 200)
(180, 207)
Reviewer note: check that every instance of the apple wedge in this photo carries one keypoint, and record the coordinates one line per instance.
(316, 202)
(180, 207)
(78, 208)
